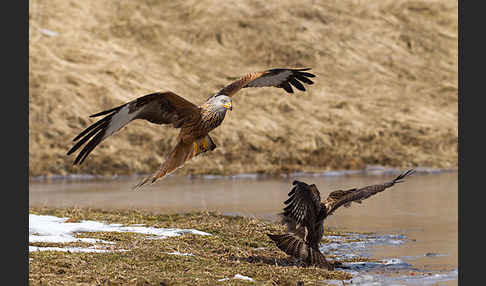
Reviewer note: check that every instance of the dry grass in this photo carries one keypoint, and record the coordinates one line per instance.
(238, 245)
(386, 91)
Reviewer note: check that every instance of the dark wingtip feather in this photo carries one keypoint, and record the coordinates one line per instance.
(304, 79)
(88, 148)
(297, 84)
(286, 202)
(107, 111)
(292, 191)
(286, 86)
(94, 125)
(97, 130)
(303, 69)
(307, 74)
(400, 177)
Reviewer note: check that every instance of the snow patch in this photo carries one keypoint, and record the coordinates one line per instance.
(238, 276)
(51, 229)
(180, 253)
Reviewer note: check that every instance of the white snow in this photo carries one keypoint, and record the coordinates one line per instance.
(242, 277)
(180, 253)
(238, 276)
(44, 228)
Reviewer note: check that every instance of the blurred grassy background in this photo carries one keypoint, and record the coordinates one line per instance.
(386, 91)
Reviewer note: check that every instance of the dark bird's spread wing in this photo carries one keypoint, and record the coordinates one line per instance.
(303, 204)
(345, 198)
(158, 108)
(281, 78)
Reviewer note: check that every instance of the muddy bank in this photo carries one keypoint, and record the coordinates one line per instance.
(386, 91)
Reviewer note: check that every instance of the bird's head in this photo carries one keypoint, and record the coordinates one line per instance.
(297, 182)
(221, 103)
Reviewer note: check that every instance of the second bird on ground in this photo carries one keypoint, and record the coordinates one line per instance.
(304, 217)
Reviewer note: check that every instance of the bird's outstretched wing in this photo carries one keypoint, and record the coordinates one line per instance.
(303, 205)
(158, 108)
(340, 198)
(281, 77)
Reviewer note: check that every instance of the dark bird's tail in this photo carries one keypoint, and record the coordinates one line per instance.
(296, 247)
(317, 258)
(290, 244)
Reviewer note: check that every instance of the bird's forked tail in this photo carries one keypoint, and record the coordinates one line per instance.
(178, 156)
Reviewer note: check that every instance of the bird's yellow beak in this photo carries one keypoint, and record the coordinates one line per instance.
(228, 106)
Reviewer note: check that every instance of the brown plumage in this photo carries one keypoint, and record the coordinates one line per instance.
(195, 122)
(304, 217)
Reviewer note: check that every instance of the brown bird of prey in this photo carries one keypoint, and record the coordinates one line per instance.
(304, 217)
(195, 122)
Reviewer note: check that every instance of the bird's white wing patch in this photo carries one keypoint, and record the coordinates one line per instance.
(120, 119)
(270, 80)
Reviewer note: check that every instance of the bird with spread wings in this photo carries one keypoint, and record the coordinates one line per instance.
(195, 122)
(304, 217)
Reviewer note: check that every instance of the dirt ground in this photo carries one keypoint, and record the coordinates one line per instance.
(386, 90)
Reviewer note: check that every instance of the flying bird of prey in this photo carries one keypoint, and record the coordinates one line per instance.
(195, 122)
(304, 217)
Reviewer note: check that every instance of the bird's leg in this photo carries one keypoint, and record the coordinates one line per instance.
(196, 148)
(204, 144)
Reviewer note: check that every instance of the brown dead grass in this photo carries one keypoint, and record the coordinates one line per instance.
(386, 91)
(237, 245)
